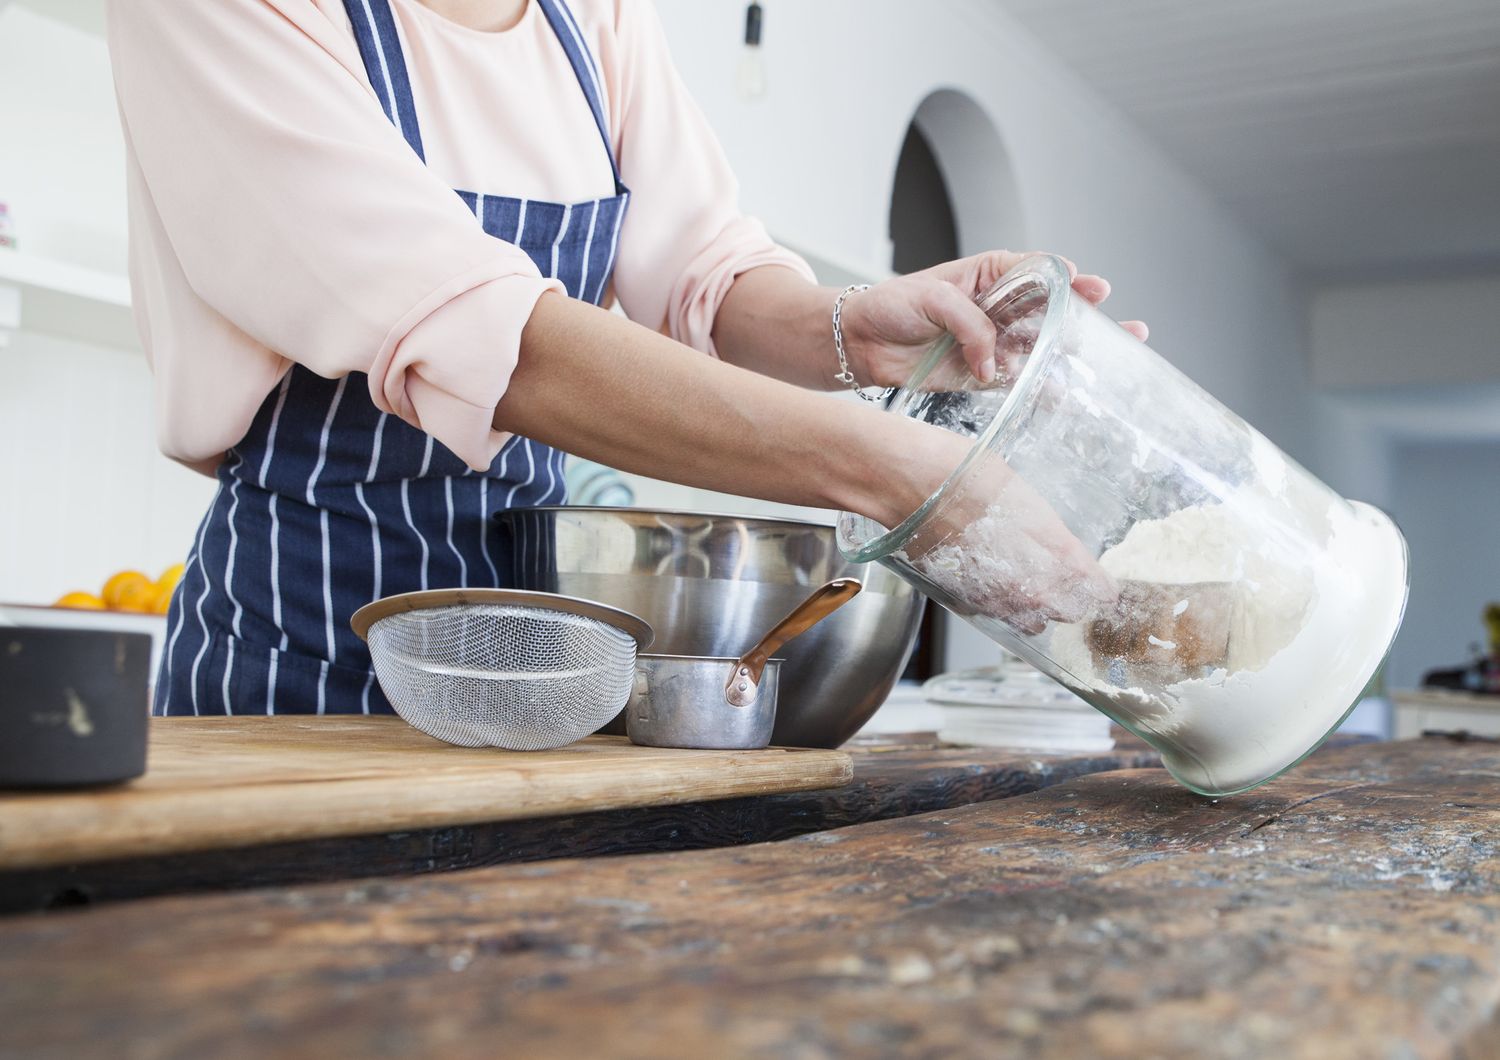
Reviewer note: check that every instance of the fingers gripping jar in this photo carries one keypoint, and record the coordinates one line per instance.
(1120, 529)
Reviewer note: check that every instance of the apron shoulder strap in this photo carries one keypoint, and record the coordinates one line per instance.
(385, 63)
(570, 36)
(379, 43)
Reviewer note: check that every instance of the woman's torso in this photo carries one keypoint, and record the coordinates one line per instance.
(328, 503)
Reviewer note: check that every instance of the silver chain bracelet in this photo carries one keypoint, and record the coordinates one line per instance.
(844, 375)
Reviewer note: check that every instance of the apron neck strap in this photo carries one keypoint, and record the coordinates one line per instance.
(570, 36)
(385, 63)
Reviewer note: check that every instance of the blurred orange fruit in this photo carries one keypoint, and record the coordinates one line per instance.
(131, 586)
(166, 585)
(80, 600)
(136, 596)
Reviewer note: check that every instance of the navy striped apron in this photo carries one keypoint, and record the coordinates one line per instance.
(328, 503)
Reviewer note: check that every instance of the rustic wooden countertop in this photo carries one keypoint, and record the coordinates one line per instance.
(893, 777)
(1351, 908)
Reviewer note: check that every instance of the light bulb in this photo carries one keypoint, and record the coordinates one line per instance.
(750, 73)
(750, 76)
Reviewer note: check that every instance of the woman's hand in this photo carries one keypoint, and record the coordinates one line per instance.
(995, 548)
(888, 328)
(1002, 552)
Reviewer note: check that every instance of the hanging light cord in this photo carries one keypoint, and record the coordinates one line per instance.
(753, 17)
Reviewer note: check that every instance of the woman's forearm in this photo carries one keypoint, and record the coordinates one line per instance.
(774, 322)
(594, 384)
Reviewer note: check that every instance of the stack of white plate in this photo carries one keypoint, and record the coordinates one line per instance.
(1014, 705)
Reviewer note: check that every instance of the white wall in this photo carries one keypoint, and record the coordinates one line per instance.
(85, 492)
(1447, 500)
(1408, 332)
(62, 156)
(1429, 455)
(1359, 431)
(816, 158)
(817, 153)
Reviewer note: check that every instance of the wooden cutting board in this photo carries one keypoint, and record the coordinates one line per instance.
(215, 783)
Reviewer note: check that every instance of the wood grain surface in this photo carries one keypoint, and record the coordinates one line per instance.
(1349, 909)
(895, 777)
(215, 783)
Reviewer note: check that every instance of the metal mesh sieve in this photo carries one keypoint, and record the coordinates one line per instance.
(523, 671)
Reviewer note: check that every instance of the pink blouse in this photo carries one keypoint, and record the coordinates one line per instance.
(277, 216)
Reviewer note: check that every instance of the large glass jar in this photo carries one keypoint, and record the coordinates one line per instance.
(1121, 530)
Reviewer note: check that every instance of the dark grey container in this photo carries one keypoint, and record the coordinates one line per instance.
(73, 706)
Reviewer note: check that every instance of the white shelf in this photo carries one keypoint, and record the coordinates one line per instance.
(59, 298)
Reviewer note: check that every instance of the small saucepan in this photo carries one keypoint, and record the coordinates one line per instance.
(722, 703)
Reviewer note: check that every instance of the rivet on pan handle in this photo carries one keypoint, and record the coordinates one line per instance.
(743, 685)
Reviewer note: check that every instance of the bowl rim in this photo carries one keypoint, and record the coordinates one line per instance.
(687, 513)
(878, 582)
(653, 656)
(1052, 274)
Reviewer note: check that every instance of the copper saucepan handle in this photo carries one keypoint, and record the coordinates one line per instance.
(743, 685)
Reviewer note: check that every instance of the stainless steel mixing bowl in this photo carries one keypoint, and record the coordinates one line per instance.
(712, 584)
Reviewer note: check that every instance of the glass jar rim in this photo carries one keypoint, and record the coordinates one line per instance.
(1049, 273)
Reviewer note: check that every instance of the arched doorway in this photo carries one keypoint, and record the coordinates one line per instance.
(922, 228)
(954, 192)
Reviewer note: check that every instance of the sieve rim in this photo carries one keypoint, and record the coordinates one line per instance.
(436, 599)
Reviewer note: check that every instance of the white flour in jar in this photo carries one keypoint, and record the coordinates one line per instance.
(1306, 638)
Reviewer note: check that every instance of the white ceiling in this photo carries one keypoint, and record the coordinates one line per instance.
(1360, 137)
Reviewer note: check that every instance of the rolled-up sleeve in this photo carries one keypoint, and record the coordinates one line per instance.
(297, 212)
(684, 240)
